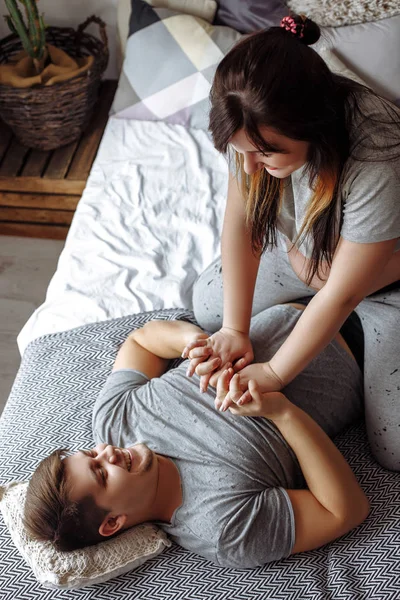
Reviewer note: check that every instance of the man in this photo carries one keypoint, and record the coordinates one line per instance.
(241, 487)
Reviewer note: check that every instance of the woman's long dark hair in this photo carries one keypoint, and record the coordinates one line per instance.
(273, 78)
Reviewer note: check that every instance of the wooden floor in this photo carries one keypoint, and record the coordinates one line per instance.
(26, 267)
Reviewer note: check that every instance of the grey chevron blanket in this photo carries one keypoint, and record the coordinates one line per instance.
(50, 406)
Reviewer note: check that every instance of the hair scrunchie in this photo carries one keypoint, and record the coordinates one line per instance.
(290, 25)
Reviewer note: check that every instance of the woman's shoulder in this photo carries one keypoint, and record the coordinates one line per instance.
(374, 128)
(366, 107)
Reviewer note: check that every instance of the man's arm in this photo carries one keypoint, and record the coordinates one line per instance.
(149, 348)
(334, 502)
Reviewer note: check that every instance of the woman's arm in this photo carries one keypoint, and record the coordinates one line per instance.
(334, 502)
(239, 265)
(300, 263)
(355, 268)
(239, 272)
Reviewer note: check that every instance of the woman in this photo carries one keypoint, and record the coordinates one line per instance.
(313, 209)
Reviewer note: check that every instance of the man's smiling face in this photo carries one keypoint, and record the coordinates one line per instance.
(120, 480)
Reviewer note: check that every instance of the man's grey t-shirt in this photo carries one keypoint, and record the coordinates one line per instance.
(234, 470)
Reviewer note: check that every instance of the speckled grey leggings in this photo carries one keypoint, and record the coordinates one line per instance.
(380, 317)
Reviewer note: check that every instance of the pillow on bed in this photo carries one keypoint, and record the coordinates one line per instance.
(343, 12)
(250, 15)
(79, 568)
(205, 9)
(372, 50)
(336, 65)
(169, 64)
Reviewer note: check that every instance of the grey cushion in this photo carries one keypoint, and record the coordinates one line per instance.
(371, 51)
(250, 15)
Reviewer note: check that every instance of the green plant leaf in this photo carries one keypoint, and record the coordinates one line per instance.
(19, 24)
(32, 14)
(42, 33)
(10, 24)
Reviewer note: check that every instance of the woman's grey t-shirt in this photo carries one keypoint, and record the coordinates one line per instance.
(234, 470)
(369, 190)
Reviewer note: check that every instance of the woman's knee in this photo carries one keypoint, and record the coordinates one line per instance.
(384, 441)
(208, 297)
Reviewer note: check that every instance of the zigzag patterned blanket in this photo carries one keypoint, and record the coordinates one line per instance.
(50, 406)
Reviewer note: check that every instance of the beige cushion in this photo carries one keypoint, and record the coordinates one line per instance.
(79, 568)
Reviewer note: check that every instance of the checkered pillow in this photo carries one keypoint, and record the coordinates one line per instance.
(169, 66)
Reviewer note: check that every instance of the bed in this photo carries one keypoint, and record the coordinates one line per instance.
(147, 225)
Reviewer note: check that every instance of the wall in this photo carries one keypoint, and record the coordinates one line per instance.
(71, 13)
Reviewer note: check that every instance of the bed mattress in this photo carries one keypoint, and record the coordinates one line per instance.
(59, 379)
(147, 225)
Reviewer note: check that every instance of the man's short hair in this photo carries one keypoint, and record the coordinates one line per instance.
(49, 514)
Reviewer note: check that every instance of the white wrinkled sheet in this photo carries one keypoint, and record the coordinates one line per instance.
(147, 225)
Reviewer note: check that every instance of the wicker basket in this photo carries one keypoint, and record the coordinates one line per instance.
(47, 117)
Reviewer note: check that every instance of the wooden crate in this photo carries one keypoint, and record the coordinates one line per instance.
(39, 190)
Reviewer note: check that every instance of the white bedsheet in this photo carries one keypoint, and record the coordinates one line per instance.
(147, 225)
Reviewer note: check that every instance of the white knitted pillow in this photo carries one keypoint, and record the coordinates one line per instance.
(79, 568)
(345, 12)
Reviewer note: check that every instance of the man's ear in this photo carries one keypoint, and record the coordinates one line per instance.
(111, 525)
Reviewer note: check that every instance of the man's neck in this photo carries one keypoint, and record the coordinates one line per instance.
(169, 490)
(167, 496)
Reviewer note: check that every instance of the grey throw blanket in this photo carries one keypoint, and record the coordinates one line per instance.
(50, 407)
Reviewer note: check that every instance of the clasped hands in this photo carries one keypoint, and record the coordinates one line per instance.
(217, 360)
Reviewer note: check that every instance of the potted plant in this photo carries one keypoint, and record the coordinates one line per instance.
(33, 37)
(49, 77)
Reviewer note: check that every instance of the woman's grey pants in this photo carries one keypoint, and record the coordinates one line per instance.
(380, 316)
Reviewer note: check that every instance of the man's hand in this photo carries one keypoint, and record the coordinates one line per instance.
(251, 403)
(229, 390)
(230, 346)
(196, 338)
(198, 348)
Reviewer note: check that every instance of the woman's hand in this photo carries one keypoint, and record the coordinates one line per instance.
(209, 357)
(261, 374)
(267, 380)
(251, 403)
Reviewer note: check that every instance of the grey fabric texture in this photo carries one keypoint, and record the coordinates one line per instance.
(368, 192)
(379, 314)
(247, 16)
(50, 406)
(232, 469)
(345, 12)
